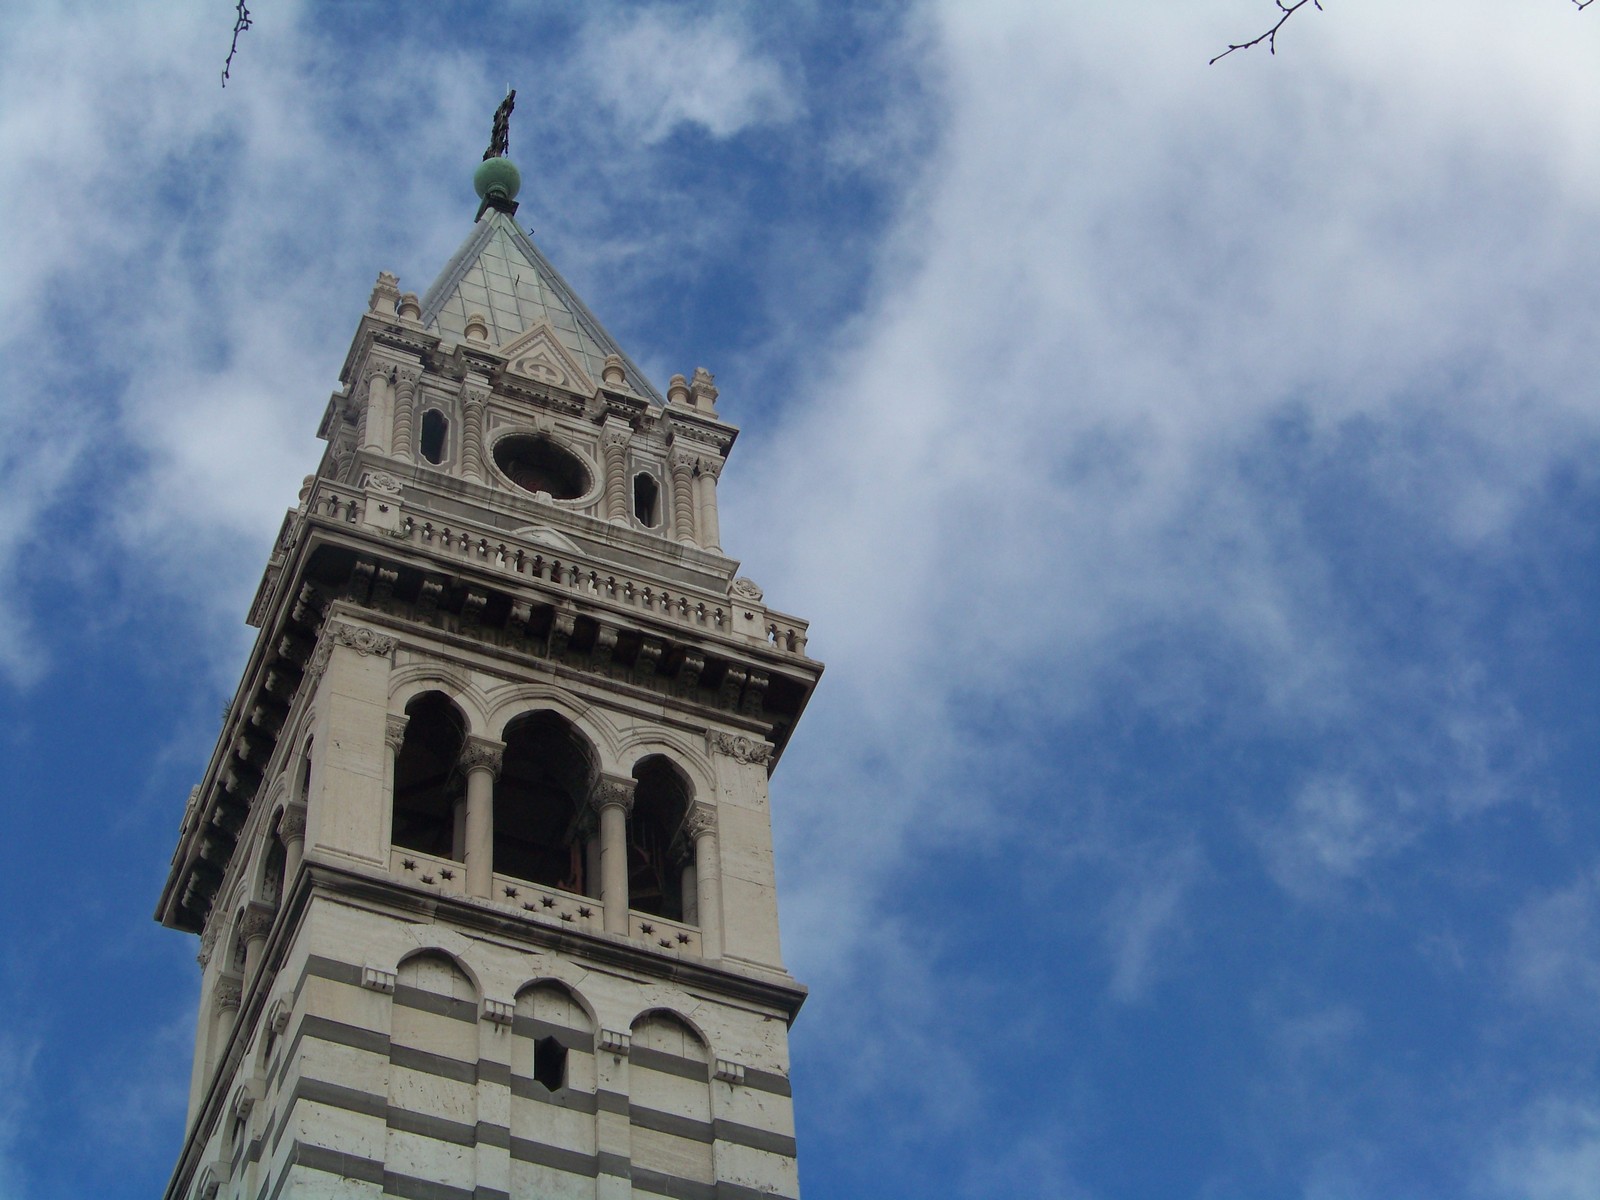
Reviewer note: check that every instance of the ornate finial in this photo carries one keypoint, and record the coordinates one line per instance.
(497, 179)
(500, 138)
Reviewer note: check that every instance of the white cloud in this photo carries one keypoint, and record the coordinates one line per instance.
(1554, 1154)
(1555, 947)
(16, 1095)
(657, 70)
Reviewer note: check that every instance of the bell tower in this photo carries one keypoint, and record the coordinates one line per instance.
(481, 864)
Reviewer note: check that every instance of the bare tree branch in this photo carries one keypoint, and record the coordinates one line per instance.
(1270, 37)
(241, 22)
(1582, 4)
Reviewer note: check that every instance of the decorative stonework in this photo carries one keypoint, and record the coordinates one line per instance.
(362, 640)
(611, 790)
(700, 820)
(382, 481)
(228, 991)
(378, 979)
(498, 1012)
(746, 589)
(292, 825)
(729, 1071)
(256, 922)
(738, 747)
(479, 753)
(613, 1041)
(394, 731)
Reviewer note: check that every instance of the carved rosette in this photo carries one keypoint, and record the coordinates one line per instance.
(228, 991)
(394, 731)
(482, 754)
(292, 825)
(746, 589)
(612, 790)
(738, 747)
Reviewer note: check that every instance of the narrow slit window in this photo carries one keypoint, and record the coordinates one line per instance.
(646, 500)
(434, 428)
(550, 1063)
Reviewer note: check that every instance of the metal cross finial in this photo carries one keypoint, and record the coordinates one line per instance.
(500, 139)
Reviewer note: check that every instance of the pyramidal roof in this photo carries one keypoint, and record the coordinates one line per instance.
(499, 273)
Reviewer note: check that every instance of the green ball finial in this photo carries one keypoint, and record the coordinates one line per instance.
(497, 179)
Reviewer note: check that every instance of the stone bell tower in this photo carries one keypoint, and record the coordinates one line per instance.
(481, 864)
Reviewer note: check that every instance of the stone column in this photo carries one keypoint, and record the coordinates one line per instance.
(394, 736)
(682, 464)
(688, 882)
(612, 797)
(377, 421)
(615, 442)
(701, 826)
(706, 503)
(480, 759)
(405, 404)
(292, 829)
(473, 405)
(226, 995)
(255, 926)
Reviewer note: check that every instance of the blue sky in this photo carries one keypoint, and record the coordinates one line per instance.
(1189, 473)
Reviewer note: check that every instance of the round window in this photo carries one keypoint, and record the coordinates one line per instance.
(536, 464)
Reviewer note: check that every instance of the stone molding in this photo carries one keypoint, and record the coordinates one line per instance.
(498, 1012)
(292, 825)
(614, 1041)
(729, 1071)
(479, 752)
(738, 747)
(378, 979)
(609, 790)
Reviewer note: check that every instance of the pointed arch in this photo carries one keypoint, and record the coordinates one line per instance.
(541, 827)
(669, 1086)
(428, 789)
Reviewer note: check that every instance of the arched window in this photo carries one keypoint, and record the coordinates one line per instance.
(540, 833)
(655, 862)
(646, 500)
(428, 789)
(435, 427)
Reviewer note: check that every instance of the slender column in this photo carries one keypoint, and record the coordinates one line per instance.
(706, 503)
(613, 798)
(480, 759)
(255, 926)
(378, 420)
(405, 404)
(226, 994)
(688, 876)
(701, 825)
(394, 736)
(616, 455)
(682, 464)
(292, 829)
(473, 405)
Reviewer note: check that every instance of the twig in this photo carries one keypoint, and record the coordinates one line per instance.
(241, 22)
(1270, 37)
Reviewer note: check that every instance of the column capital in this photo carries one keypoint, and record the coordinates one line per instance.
(394, 730)
(257, 921)
(292, 825)
(479, 753)
(609, 790)
(700, 821)
(228, 991)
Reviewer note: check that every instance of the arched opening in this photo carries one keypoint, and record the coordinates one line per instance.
(536, 464)
(646, 500)
(303, 784)
(553, 1081)
(428, 789)
(540, 830)
(434, 428)
(272, 870)
(655, 864)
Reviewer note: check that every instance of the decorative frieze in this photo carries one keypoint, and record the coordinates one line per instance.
(738, 747)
